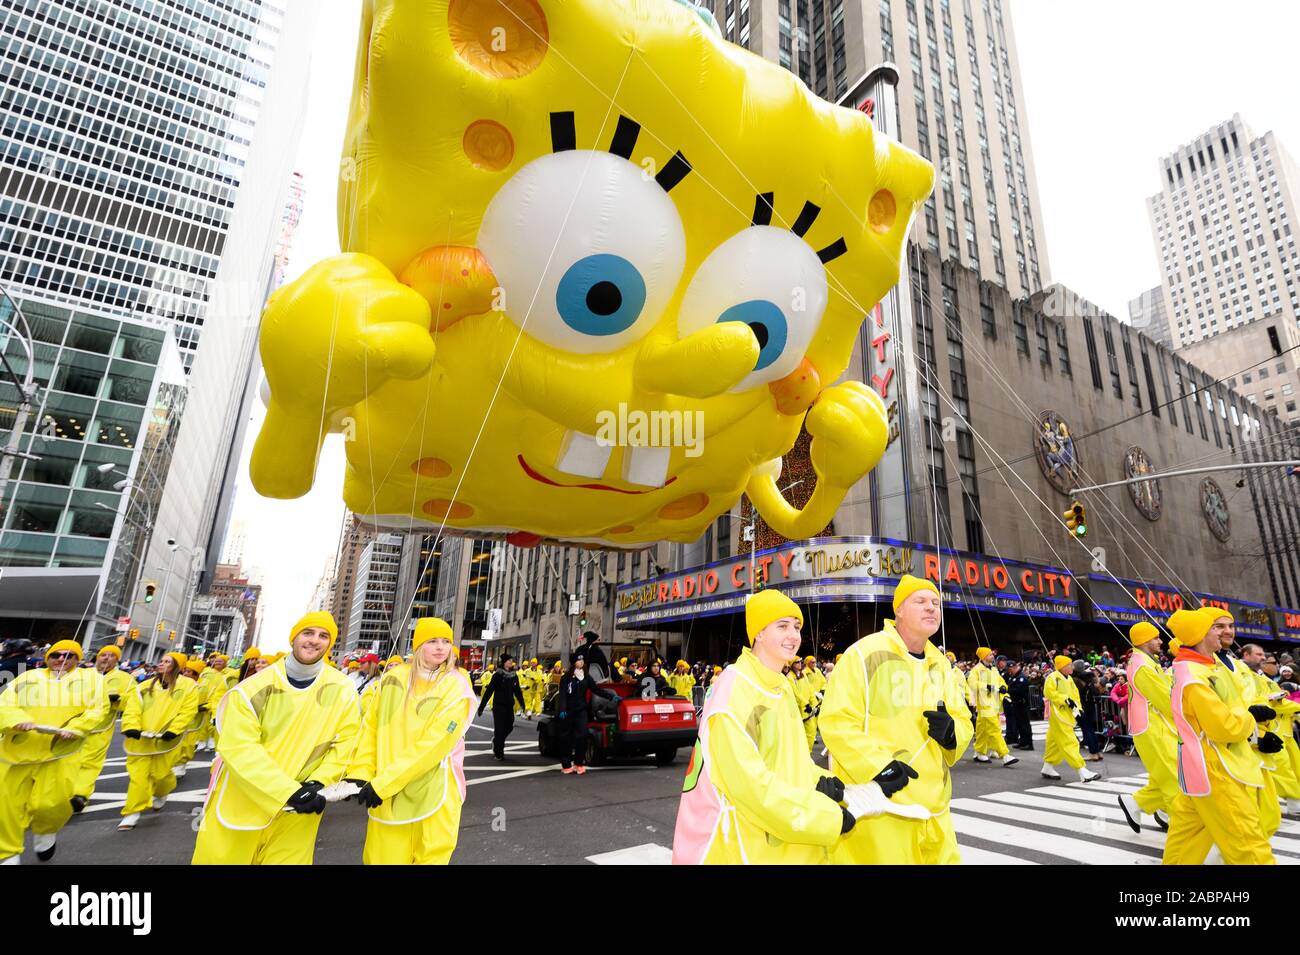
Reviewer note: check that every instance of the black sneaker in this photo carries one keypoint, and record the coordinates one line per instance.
(78, 803)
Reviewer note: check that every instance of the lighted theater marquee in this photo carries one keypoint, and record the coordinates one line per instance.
(1286, 623)
(1123, 601)
(834, 569)
(1249, 619)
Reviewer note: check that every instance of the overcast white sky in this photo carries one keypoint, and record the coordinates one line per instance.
(1110, 87)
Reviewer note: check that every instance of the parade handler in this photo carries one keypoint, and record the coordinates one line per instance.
(752, 794)
(45, 715)
(284, 734)
(1219, 775)
(1150, 721)
(895, 714)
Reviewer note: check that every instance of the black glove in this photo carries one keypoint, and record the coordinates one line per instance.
(831, 786)
(203, 709)
(1263, 713)
(849, 822)
(131, 734)
(943, 730)
(1071, 704)
(168, 736)
(894, 777)
(1270, 743)
(113, 697)
(1003, 690)
(368, 797)
(313, 785)
(307, 800)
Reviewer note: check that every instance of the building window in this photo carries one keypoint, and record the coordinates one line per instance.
(1021, 329)
(1094, 365)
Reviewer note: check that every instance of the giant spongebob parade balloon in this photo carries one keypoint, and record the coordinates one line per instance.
(573, 228)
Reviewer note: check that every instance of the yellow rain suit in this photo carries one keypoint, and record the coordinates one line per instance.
(986, 684)
(1152, 728)
(683, 683)
(117, 683)
(215, 681)
(750, 794)
(871, 716)
(807, 699)
(198, 728)
(38, 771)
(272, 738)
(1221, 777)
(150, 708)
(1249, 693)
(410, 750)
(1061, 746)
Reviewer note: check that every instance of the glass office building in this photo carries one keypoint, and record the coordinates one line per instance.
(110, 395)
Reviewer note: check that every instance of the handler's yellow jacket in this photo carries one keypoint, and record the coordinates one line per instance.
(872, 715)
(273, 737)
(412, 744)
(150, 708)
(985, 684)
(75, 701)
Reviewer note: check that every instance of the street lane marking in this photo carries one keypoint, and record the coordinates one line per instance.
(1078, 850)
(970, 855)
(649, 854)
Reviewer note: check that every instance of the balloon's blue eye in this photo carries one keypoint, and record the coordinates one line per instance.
(600, 295)
(768, 324)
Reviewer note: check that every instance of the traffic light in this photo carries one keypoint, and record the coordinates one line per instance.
(171, 635)
(1076, 520)
(135, 633)
(582, 620)
(149, 589)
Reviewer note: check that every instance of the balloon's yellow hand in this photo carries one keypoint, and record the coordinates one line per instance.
(849, 430)
(329, 340)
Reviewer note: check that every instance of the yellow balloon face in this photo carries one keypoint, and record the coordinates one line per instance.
(644, 251)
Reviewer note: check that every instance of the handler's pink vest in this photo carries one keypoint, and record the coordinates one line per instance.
(702, 807)
(1193, 776)
(1139, 717)
(456, 759)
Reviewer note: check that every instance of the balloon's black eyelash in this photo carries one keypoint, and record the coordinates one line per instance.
(763, 216)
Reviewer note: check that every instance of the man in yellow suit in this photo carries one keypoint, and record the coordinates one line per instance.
(1265, 744)
(1061, 698)
(154, 721)
(117, 684)
(987, 689)
(752, 794)
(895, 714)
(1150, 723)
(1272, 733)
(285, 734)
(45, 715)
(214, 677)
(682, 680)
(1219, 775)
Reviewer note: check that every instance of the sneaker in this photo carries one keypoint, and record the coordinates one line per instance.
(567, 770)
(1047, 772)
(1010, 760)
(12, 860)
(1087, 775)
(580, 770)
(78, 803)
(159, 802)
(43, 843)
(179, 771)
(1132, 814)
(1161, 819)
(980, 758)
(128, 822)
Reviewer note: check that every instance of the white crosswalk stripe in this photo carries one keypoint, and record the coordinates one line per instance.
(1076, 822)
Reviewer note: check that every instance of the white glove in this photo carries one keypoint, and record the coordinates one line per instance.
(866, 799)
(340, 791)
(56, 729)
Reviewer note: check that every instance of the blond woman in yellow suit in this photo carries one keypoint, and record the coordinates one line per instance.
(1061, 696)
(38, 770)
(284, 735)
(409, 757)
(163, 706)
(1151, 724)
(117, 685)
(198, 730)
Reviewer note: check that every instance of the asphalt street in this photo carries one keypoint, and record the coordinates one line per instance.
(525, 812)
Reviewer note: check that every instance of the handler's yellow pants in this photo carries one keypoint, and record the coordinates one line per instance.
(148, 777)
(290, 839)
(988, 737)
(430, 841)
(34, 796)
(893, 840)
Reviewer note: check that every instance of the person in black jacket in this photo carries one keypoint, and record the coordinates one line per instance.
(571, 714)
(502, 691)
(597, 663)
(652, 684)
(1018, 696)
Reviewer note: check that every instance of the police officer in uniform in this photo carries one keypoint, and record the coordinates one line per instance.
(1019, 730)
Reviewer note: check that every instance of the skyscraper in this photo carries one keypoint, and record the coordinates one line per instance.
(1223, 224)
(353, 539)
(126, 133)
(960, 102)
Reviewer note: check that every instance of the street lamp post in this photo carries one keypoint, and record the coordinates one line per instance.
(125, 486)
(162, 601)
